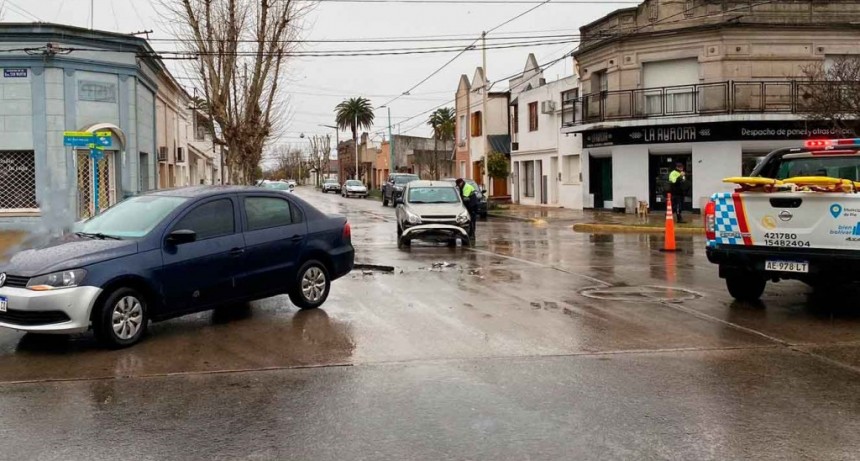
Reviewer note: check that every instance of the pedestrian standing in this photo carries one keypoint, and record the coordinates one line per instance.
(470, 199)
(678, 186)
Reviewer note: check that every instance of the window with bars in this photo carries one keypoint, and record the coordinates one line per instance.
(18, 181)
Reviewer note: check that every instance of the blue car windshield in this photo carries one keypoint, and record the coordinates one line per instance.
(132, 218)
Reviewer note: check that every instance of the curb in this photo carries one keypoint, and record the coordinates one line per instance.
(633, 229)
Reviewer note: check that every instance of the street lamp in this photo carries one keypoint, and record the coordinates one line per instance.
(390, 142)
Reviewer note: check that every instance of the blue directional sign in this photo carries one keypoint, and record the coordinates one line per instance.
(97, 153)
(103, 138)
(85, 138)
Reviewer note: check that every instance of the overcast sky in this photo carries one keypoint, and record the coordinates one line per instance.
(318, 84)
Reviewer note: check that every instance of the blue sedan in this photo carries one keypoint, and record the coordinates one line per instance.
(170, 253)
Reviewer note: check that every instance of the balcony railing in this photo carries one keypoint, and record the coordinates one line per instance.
(729, 97)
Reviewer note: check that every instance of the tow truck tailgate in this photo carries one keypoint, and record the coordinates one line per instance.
(788, 220)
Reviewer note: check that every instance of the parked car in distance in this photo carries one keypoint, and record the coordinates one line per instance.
(276, 185)
(431, 210)
(330, 185)
(354, 188)
(173, 252)
(482, 196)
(393, 188)
(292, 182)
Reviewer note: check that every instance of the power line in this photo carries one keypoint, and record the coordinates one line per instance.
(487, 2)
(470, 46)
(377, 40)
(184, 55)
(21, 10)
(542, 67)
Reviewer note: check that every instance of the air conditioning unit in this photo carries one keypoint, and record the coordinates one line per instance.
(547, 107)
(162, 153)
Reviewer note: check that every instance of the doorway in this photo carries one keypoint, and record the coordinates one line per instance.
(553, 180)
(600, 181)
(659, 168)
(87, 171)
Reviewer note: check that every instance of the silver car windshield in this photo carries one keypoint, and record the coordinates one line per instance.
(353, 182)
(433, 195)
(132, 218)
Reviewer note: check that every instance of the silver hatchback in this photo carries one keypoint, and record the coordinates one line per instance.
(431, 210)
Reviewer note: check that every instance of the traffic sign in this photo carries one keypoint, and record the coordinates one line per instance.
(97, 154)
(103, 138)
(85, 138)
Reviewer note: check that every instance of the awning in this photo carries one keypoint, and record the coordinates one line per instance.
(500, 143)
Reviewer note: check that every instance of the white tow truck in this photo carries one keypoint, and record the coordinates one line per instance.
(796, 217)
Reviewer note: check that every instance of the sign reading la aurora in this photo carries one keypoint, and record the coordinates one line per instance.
(706, 132)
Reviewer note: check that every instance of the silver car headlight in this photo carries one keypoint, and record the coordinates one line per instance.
(57, 280)
(412, 218)
(398, 188)
(463, 217)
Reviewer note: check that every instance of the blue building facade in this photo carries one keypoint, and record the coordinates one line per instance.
(56, 78)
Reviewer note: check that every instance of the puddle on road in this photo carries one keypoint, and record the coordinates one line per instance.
(641, 294)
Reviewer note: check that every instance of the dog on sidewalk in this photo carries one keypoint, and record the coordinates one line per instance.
(642, 209)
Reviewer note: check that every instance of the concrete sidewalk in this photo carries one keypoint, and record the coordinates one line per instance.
(597, 220)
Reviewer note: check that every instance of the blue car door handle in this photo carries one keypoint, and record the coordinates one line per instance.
(297, 238)
(237, 251)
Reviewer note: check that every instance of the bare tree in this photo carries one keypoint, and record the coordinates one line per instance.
(319, 155)
(240, 49)
(832, 92)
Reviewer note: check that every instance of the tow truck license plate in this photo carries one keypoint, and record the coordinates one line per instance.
(787, 266)
(3, 303)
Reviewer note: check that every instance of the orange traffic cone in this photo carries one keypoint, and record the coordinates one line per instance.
(669, 241)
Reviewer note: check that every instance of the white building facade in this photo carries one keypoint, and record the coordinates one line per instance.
(545, 163)
(666, 83)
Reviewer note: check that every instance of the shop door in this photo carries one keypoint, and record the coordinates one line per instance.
(660, 167)
(87, 171)
(600, 178)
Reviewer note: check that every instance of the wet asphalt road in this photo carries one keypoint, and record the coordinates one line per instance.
(537, 344)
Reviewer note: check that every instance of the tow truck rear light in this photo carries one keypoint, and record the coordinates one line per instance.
(711, 220)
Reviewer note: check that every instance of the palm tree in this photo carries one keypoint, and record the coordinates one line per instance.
(354, 114)
(443, 122)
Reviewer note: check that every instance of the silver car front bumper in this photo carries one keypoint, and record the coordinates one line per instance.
(38, 311)
(435, 230)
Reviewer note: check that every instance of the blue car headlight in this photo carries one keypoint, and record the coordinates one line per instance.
(57, 280)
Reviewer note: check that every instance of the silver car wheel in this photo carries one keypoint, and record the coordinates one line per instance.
(127, 317)
(313, 284)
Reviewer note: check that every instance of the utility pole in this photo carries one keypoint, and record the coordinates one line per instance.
(92, 13)
(390, 142)
(485, 174)
(390, 146)
(355, 142)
